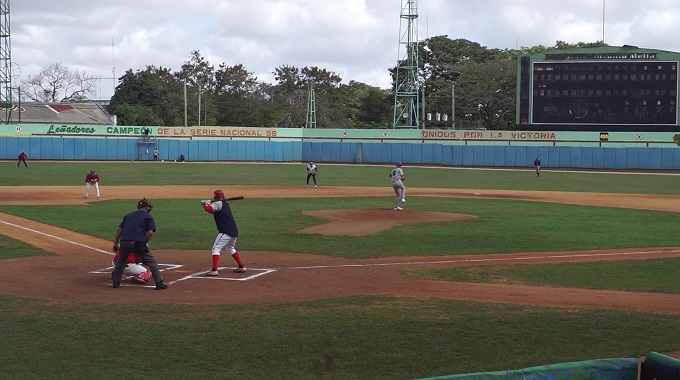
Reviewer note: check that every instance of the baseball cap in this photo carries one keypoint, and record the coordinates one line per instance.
(92, 171)
(398, 163)
(144, 203)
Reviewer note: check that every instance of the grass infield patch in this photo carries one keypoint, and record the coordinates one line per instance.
(658, 275)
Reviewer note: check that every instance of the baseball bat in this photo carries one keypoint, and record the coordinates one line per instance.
(235, 198)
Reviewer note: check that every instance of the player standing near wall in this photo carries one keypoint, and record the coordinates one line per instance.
(397, 177)
(311, 172)
(22, 158)
(91, 179)
(537, 166)
(227, 232)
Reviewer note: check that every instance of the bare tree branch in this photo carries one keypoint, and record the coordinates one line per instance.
(57, 82)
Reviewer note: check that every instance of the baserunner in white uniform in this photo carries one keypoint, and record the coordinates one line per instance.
(397, 177)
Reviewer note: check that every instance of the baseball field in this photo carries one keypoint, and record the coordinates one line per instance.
(483, 270)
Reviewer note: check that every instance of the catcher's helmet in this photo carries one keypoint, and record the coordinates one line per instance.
(218, 194)
(144, 203)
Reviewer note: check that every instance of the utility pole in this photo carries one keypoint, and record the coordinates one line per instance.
(406, 110)
(423, 108)
(453, 105)
(186, 121)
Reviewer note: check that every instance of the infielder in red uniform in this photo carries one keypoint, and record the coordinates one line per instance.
(91, 179)
(22, 158)
(228, 232)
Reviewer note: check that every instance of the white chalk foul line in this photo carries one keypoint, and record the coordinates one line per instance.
(267, 271)
(482, 260)
(167, 266)
(56, 237)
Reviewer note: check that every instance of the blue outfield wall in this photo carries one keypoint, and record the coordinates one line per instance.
(416, 152)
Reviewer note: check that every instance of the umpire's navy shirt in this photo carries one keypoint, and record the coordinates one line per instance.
(135, 225)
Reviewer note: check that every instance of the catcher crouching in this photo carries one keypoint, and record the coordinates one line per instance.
(137, 272)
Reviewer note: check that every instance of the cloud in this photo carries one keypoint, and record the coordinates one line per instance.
(357, 39)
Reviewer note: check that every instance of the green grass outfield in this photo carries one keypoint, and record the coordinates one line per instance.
(358, 337)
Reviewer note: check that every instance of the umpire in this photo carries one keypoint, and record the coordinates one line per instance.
(133, 233)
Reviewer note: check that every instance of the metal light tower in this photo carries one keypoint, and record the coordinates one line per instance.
(311, 107)
(5, 62)
(406, 109)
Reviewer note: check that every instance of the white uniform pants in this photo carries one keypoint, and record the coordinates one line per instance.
(87, 189)
(226, 242)
(399, 192)
(132, 269)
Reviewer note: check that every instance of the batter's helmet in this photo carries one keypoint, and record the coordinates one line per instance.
(144, 203)
(218, 194)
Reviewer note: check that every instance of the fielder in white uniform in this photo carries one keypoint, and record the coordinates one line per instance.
(397, 177)
(311, 172)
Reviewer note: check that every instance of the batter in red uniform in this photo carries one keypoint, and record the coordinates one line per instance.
(228, 232)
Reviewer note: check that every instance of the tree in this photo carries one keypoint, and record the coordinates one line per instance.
(58, 83)
(137, 115)
(490, 89)
(291, 91)
(153, 88)
(559, 45)
(366, 106)
(240, 99)
(484, 82)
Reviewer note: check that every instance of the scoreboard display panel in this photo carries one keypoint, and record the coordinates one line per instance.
(604, 92)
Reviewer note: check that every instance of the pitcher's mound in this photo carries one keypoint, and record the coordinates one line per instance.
(366, 222)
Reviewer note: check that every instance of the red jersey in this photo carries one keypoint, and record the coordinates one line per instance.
(92, 177)
(132, 258)
(22, 156)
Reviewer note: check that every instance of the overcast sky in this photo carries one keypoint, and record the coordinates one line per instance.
(357, 39)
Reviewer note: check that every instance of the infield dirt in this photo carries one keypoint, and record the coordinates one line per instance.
(77, 271)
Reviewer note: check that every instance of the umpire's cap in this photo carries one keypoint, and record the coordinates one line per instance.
(144, 203)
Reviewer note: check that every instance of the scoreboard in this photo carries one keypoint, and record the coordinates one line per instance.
(598, 92)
